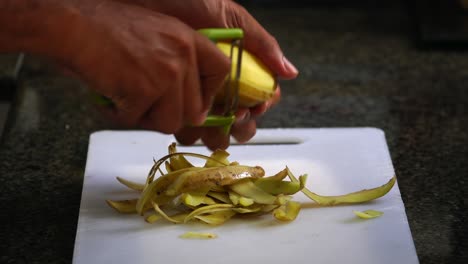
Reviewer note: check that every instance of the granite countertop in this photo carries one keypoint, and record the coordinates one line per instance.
(359, 67)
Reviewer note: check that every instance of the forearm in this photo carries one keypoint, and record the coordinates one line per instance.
(36, 26)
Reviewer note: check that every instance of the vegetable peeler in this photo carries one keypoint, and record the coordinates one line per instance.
(231, 84)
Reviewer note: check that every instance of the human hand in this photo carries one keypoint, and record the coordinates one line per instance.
(228, 14)
(159, 73)
(243, 129)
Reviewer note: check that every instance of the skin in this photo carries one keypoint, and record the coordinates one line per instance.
(228, 14)
(145, 56)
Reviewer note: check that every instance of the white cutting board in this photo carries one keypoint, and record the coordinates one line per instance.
(338, 161)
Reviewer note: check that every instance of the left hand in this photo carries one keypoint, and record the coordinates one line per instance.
(242, 130)
(228, 14)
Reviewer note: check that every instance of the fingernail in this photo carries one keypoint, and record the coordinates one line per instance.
(289, 66)
(201, 119)
(266, 106)
(210, 102)
(247, 115)
(244, 118)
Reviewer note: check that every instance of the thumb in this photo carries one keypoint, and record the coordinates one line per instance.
(260, 43)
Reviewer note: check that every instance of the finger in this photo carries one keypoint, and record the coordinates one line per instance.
(259, 42)
(267, 49)
(128, 106)
(214, 138)
(242, 115)
(262, 108)
(244, 131)
(165, 115)
(276, 97)
(189, 135)
(213, 68)
(259, 110)
(194, 111)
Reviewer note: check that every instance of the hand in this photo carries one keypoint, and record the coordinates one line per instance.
(242, 130)
(227, 14)
(159, 73)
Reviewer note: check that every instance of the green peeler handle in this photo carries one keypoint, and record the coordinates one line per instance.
(216, 34)
(224, 122)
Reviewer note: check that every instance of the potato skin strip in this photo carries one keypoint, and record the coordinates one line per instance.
(208, 209)
(222, 197)
(287, 212)
(209, 201)
(192, 200)
(195, 197)
(368, 214)
(158, 186)
(221, 190)
(177, 162)
(218, 159)
(123, 206)
(163, 214)
(283, 199)
(168, 167)
(132, 185)
(152, 218)
(247, 210)
(276, 187)
(234, 197)
(277, 177)
(179, 217)
(217, 218)
(250, 190)
(244, 201)
(197, 235)
(350, 198)
(268, 208)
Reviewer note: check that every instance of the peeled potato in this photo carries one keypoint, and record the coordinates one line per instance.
(257, 83)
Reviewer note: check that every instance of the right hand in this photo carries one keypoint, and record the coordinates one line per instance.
(228, 14)
(159, 73)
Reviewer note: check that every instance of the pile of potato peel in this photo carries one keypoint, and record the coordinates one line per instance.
(220, 190)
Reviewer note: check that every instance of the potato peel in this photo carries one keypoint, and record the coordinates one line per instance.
(216, 218)
(350, 198)
(287, 212)
(198, 235)
(368, 214)
(132, 185)
(221, 189)
(208, 209)
(152, 218)
(123, 206)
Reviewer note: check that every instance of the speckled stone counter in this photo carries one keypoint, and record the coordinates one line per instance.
(359, 67)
